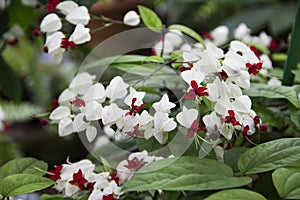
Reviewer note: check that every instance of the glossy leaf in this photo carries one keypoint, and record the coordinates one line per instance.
(185, 173)
(23, 166)
(150, 19)
(156, 59)
(273, 92)
(190, 32)
(232, 156)
(270, 155)
(18, 184)
(287, 182)
(236, 194)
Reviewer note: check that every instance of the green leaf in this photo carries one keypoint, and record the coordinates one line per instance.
(23, 166)
(184, 173)
(9, 82)
(170, 195)
(8, 149)
(232, 156)
(150, 19)
(24, 18)
(54, 197)
(236, 194)
(270, 155)
(190, 32)
(293, 51)
(156, 59)
(4, 21)
(273, 92)
(295, 115)
(18, 184)
(287, 182)
(271, 116)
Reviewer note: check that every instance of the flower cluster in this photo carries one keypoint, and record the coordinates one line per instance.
(85, 102)
(56, 41)
(218, 77)
(74, 178)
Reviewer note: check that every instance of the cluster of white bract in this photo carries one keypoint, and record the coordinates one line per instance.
(85, 102)
(74, 178)
(56, 41)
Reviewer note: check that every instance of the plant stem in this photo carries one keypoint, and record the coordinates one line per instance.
(293, 51)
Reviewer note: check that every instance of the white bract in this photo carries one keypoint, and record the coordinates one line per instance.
(51, 23)
(131, 18)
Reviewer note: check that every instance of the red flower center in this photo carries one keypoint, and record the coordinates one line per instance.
(136, 132)
(55, 174)
(109, 197)
(231, 118)
(78, 102)
(65, 43)
(254, 68)
(196, 91)
(78, 180)
(134, 108)
(195, 128)
(114, 176)
(135, 164)
(253, 48)
(52, 4)
(54, 104)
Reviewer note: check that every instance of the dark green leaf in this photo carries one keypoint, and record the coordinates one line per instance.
(170, 195)
(54, 197)
(3, 21)
(9, 82)
(184, 173)
(270, 155)
(18, 184)
(23, 166)
(8, 149)
(295, 115)
(232, 156)
(287, 182)
(150, 19)
(190, 32)
(273, 92)
(20, 14)
(236, 194)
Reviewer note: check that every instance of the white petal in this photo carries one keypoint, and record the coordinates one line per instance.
(233, 64)
(131, 18)
(66, 96)
(50, 23)
(80, 34)
(145, 118)
(169, 125)
(66, 7)
(53, 42)
(65, 127)
(93, 111)
(116, 89)
(91, 133)
(79, 15)
(79, 124)
(59, 113)
(134, 94)
(161, 137)
(81, 83)
(193, 74)
(187, 117)
(241, 31)
(164, 105)
(220, 35)
(96, 92)
(242, 104)
(111, 113)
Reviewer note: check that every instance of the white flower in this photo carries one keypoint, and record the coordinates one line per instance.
(81, 83)
(66, 96)
(80, 123)
(65, 127)
(220, 35)
(241, 31)
(164, 105)
(161, 125)
(193, 75)
(13, 33)
(112, 113)
(53, 43)
(60, 113)
(134, 94)
(66, 7)
(91, 133)
(116, 89)
(95, 93)
(187, 117)
(274, 81)
(50, 23)
(131, 18)
(93, 111)
(233, 64)
(212, 122)
(80, 34)
(79, 15)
